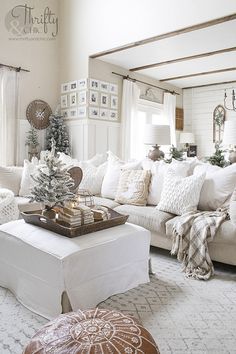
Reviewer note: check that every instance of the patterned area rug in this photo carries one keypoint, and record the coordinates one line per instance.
(183, 315)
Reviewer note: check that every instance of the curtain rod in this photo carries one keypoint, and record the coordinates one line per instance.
(18, 69)
(127, 77)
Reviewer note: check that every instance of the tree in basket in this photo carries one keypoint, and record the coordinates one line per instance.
(52, 182)
(32, 142)
(57, 130)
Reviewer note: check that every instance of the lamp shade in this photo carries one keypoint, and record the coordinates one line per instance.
(229, 136)
(156, 134)
(186, 138)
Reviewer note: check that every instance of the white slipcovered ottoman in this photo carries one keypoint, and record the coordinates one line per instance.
(39, 266)
(8, 207)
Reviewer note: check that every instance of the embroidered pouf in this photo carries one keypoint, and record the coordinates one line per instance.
(95, 331)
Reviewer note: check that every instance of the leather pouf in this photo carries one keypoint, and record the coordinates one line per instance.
(95, 331)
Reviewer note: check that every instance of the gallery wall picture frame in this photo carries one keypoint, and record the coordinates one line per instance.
(82, 84)
(82, 98)
(114, 89)
(94, 84)
(94, 112)
(73, 113)
(93, 98)
(82, 112)
(114, 102)
(113, 115)
(73, 86)
(65, 113)
(104, 113)
(104, 86)
(104, 100)
(65, 88)
(64, 101)
(73, 99)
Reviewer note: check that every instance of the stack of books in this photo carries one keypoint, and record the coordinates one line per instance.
(76, 216)
(101, 213)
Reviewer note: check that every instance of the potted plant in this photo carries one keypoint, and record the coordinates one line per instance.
(32, 143)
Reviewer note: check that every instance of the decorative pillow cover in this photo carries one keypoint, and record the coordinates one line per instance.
(180, 195)
(92, 177)
(218, 186)
(133, 187)
(27, 182)
(10, 178)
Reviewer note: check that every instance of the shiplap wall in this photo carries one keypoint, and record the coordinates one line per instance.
(199, 104)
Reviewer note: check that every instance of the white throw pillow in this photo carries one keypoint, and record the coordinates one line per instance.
(27, 182)
(218, 186)
(92, 177)
(180, 195)
(158, 170)
(10, 178)
(98, 159)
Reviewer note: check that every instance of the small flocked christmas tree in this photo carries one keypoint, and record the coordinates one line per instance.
(52, 182)
(32, 138)
(57, 130)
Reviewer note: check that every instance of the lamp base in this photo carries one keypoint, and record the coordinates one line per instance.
(232, 157)
(156, 154)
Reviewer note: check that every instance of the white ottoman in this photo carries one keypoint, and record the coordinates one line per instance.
(8, 207)
(39, 266)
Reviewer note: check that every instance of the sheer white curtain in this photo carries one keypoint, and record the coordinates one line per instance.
(129, 113)
(8, 116)
(169, 112)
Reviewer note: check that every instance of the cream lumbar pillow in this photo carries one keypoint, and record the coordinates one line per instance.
(180, 195)
(133, 187)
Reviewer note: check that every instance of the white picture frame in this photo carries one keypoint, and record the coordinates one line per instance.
(113, 115)
(104, 86)
(82, 112)
(104, 100)
(73, 113)
(65, 87)
(65, 113)
(64, 101)
(104, 113)
(73, 99)
(94, 112)
(73, 86)
(82, 84)
(114, 102)
(114, 89)
(94, 84)
(82, 98)
(93, 98)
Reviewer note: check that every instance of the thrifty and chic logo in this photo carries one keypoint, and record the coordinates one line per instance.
(26, 21)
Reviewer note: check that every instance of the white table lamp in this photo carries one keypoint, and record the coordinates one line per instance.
(229, 138)
(186, 138)
(156, 135)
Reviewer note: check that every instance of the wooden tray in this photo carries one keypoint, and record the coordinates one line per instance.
(62, 228)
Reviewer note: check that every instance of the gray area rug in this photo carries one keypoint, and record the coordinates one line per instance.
(183, 315)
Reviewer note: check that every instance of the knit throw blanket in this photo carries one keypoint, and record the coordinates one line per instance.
(191, 233)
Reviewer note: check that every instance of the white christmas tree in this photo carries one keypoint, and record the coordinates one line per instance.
(57, 130)
(52, 182)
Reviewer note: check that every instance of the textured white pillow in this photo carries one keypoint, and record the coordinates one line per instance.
(180, 195)
(158, 170)
(27, 182)
(10, 178)
(98, 159)
(92, 177)
(218, 186)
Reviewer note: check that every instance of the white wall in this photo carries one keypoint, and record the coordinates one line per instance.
(199, 104)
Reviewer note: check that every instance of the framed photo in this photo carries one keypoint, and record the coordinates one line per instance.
(65, 113)
(104, 100)
(93, 112)
(73, 99)
(82, 84)
(114, 102)
(192, 151)
(82, 97)
(114, 89)
(82, 112)
(73, 86)
(104, 113)
(64, 101)
(113, 115)
(73, 113)
(93, 98)
(94, 84)
(104, 86)
(65, 87)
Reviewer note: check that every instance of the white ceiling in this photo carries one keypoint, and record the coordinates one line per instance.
(214, 38)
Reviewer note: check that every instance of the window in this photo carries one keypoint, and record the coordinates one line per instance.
(148, 113)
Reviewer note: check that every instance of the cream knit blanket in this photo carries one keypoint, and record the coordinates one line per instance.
(191, 233)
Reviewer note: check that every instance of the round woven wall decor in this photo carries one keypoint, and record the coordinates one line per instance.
(38, 113)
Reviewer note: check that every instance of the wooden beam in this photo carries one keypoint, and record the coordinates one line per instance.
(198, 74)
(216, 83)
(178, 60)
(188, 29)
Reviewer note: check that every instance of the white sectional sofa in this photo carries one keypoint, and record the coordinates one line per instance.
(222, 248)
